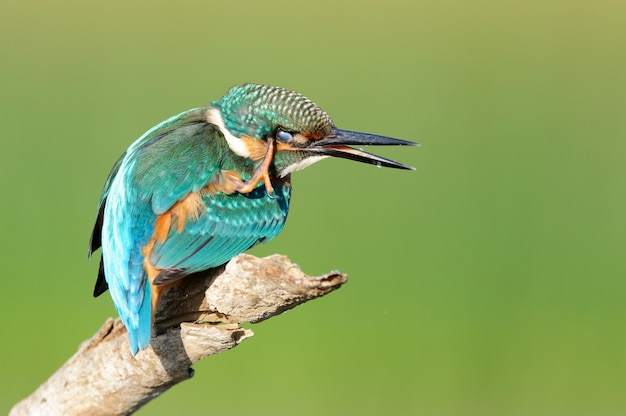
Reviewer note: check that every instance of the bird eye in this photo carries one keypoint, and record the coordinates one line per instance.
(284, 136)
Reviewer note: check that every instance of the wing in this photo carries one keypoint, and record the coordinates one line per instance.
(228, 226)
(177, 157)
(167, 152)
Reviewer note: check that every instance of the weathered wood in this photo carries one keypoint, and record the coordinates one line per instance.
(198, 318)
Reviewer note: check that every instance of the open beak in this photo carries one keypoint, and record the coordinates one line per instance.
(337, 144)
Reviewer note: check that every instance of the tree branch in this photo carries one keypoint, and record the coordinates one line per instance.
(198, 318)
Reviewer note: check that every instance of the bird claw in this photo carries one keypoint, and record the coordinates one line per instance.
(261, 173)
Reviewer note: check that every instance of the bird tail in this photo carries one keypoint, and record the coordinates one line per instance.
(140, 331)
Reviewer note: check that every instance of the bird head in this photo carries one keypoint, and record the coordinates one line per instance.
(251, 115)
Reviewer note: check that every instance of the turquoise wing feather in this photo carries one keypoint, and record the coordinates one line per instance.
(175, 157)
(230, 225)
(178, 156)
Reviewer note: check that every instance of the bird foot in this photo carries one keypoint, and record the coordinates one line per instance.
(262, 173)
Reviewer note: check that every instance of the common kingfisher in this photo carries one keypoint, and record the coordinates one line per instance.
(206, 185)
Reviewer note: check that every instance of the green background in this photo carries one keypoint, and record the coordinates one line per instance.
(491, 281)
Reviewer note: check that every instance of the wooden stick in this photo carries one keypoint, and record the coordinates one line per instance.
(198, 318)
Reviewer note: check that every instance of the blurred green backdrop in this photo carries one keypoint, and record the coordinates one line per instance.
(491, 281)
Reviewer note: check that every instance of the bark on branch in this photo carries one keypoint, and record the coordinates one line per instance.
(198, 318)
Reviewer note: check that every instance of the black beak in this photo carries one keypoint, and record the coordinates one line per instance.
(337, 145)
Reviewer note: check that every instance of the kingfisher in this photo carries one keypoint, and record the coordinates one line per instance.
(205, 185)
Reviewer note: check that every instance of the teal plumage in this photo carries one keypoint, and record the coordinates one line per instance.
(205, 185)
(217, 236)
(254, 110)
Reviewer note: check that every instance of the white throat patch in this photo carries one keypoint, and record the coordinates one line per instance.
(214, 116)
(304, 163)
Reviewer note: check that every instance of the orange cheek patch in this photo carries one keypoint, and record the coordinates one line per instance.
(256, 148)
(316, 135)
(282, 147)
